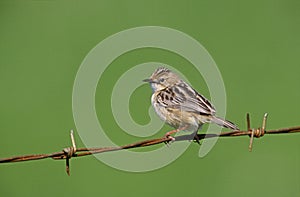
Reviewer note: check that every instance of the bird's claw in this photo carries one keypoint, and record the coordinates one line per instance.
(195, 138)
(169, 137)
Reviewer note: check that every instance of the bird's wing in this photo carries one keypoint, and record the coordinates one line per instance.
(184, 97)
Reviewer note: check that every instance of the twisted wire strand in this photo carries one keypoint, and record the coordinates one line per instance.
(69, 152)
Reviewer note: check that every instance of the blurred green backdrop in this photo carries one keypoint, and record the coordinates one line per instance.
(255, 45)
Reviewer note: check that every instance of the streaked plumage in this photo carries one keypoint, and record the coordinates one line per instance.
(179, 104)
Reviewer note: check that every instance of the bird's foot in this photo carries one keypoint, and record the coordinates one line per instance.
(168, 136)
(196, 139)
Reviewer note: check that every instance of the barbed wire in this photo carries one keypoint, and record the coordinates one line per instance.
(72, 151)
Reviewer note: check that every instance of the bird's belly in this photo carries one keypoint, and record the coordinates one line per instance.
(177, 118)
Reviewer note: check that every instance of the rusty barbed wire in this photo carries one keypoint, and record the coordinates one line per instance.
(72, 151)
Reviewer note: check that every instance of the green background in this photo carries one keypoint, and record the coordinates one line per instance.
(255, 45)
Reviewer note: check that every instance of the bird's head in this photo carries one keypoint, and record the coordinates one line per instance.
(162, 78)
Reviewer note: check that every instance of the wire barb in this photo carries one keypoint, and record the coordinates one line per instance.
(72, 151)
(256, 132)
(248, 122)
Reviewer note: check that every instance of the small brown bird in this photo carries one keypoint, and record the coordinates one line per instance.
(179, 105)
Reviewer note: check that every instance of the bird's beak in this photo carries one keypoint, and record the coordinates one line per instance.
(148, 80)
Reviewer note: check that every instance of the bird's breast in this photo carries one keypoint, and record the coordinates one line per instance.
(175, 117)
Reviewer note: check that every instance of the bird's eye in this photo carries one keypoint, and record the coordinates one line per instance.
(162, 80)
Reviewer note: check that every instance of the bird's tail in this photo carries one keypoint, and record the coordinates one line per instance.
(224, 123)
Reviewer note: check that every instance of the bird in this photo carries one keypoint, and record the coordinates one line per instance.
(181, 106)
